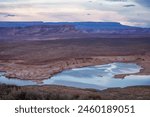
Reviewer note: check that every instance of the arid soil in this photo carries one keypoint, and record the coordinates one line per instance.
(38, 60)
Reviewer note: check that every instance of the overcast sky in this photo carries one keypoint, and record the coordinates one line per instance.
(130, 12)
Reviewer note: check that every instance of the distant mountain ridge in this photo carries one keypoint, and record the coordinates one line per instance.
(66, 29)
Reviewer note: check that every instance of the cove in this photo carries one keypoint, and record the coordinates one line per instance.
(94, 77)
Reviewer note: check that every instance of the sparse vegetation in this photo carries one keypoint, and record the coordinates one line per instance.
(45, 93)
(67, 93)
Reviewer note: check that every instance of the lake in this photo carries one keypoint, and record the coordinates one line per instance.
(96, 77)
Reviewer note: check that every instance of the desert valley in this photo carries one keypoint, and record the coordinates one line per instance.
(38, 51)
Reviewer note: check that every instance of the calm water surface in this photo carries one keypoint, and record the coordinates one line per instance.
(96, 77)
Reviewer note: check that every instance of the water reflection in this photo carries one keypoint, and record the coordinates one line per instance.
(97, 77)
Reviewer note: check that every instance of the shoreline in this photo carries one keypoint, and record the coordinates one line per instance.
(99, 60)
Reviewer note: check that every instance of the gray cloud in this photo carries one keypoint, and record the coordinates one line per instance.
(129, 5)
(7, 14)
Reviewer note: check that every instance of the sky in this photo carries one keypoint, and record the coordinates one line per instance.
(128, 12)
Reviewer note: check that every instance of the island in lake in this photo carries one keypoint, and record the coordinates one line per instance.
(74, 60)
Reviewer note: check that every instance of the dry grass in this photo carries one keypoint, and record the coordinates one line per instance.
(46, 93)
(68, 93)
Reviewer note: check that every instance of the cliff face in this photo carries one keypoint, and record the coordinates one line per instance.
(65, 30)
(36, 30)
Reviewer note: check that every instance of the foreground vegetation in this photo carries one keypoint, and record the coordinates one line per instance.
(8, 92)
(45, 93)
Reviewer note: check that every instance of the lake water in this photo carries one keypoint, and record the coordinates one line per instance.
(96, 77)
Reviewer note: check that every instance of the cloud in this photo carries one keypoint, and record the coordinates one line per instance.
(10, 15)
(129, 5)
(123, 11)
(7, 14)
